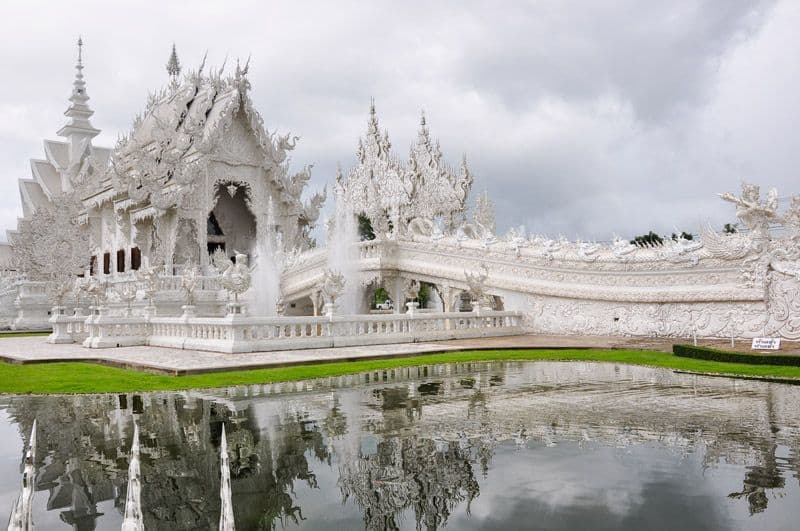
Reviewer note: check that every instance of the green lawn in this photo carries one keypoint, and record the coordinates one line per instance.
(23, 334)
(91, 378)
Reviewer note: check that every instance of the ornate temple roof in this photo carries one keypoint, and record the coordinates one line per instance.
(187, 120)
(190, 113)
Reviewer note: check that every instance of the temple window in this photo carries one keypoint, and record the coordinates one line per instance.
(106, 263)
(121, 261)
(136, 258)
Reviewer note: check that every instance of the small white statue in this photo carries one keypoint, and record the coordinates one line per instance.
(411, 289)
(189, 281)
(126, 292)
(149, 277)
(476, 285)
(236, 277)
(332, 288)
(95, 288)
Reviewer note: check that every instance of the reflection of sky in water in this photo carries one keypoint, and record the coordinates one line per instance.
(470, 446)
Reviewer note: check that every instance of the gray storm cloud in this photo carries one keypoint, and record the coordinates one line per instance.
(579, 118)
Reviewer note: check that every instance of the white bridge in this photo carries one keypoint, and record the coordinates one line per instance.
(677, 290)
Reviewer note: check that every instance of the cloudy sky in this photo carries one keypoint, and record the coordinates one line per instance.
(580, 118)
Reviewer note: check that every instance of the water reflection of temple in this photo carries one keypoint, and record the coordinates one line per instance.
(403, 441)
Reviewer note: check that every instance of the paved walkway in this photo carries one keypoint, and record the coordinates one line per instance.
(182, 362)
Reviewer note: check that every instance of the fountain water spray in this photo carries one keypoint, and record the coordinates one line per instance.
(343, 254)
(268, 267)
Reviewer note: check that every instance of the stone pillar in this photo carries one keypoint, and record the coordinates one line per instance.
(446, 294)
(201, 230)
(113, 268)
(315, 300)
(60, 334)
(397, 294)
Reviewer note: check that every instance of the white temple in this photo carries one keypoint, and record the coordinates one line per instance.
(139, 242)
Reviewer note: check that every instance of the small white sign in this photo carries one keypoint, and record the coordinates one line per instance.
(766, 343)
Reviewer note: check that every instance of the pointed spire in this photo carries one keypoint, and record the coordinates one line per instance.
(226, 520)
(22, 512)
(133, 520)
(78, 130)
(173, 65)
(79, 85)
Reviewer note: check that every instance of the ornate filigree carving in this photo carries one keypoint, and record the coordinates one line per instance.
(391, 194)
(52, 246)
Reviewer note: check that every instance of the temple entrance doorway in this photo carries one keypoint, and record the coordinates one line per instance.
(216, 238)
(231, 226)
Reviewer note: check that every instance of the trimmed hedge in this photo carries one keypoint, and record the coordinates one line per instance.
(711, 354)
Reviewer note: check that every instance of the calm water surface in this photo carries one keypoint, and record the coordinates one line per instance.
(464, 446)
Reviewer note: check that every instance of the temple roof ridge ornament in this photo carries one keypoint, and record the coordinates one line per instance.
(240, 76)
(173, 65)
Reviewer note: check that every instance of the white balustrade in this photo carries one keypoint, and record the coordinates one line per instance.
(369, 249)
(240, 333)
(67, 328)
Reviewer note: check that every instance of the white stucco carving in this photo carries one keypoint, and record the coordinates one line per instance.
(199, 175)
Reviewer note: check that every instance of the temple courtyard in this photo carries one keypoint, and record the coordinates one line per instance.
(179, 362)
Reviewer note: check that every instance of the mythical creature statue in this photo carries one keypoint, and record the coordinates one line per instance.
(148, 275)
(411, 289)
(516, 239)
(622, 247)
(476, 284)
(332, 286)
(189, 282)
(587, 251)
(726, 246)
(287, 142)
(95, 288)
(752, 211)
(126, 292)
(236, 278)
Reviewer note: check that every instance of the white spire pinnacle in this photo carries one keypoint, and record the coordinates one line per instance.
(79, 96)
(79, 129)
(173, 65)
(133, 520)
(226, 521)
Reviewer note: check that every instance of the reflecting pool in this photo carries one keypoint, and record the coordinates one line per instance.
(523, 445)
